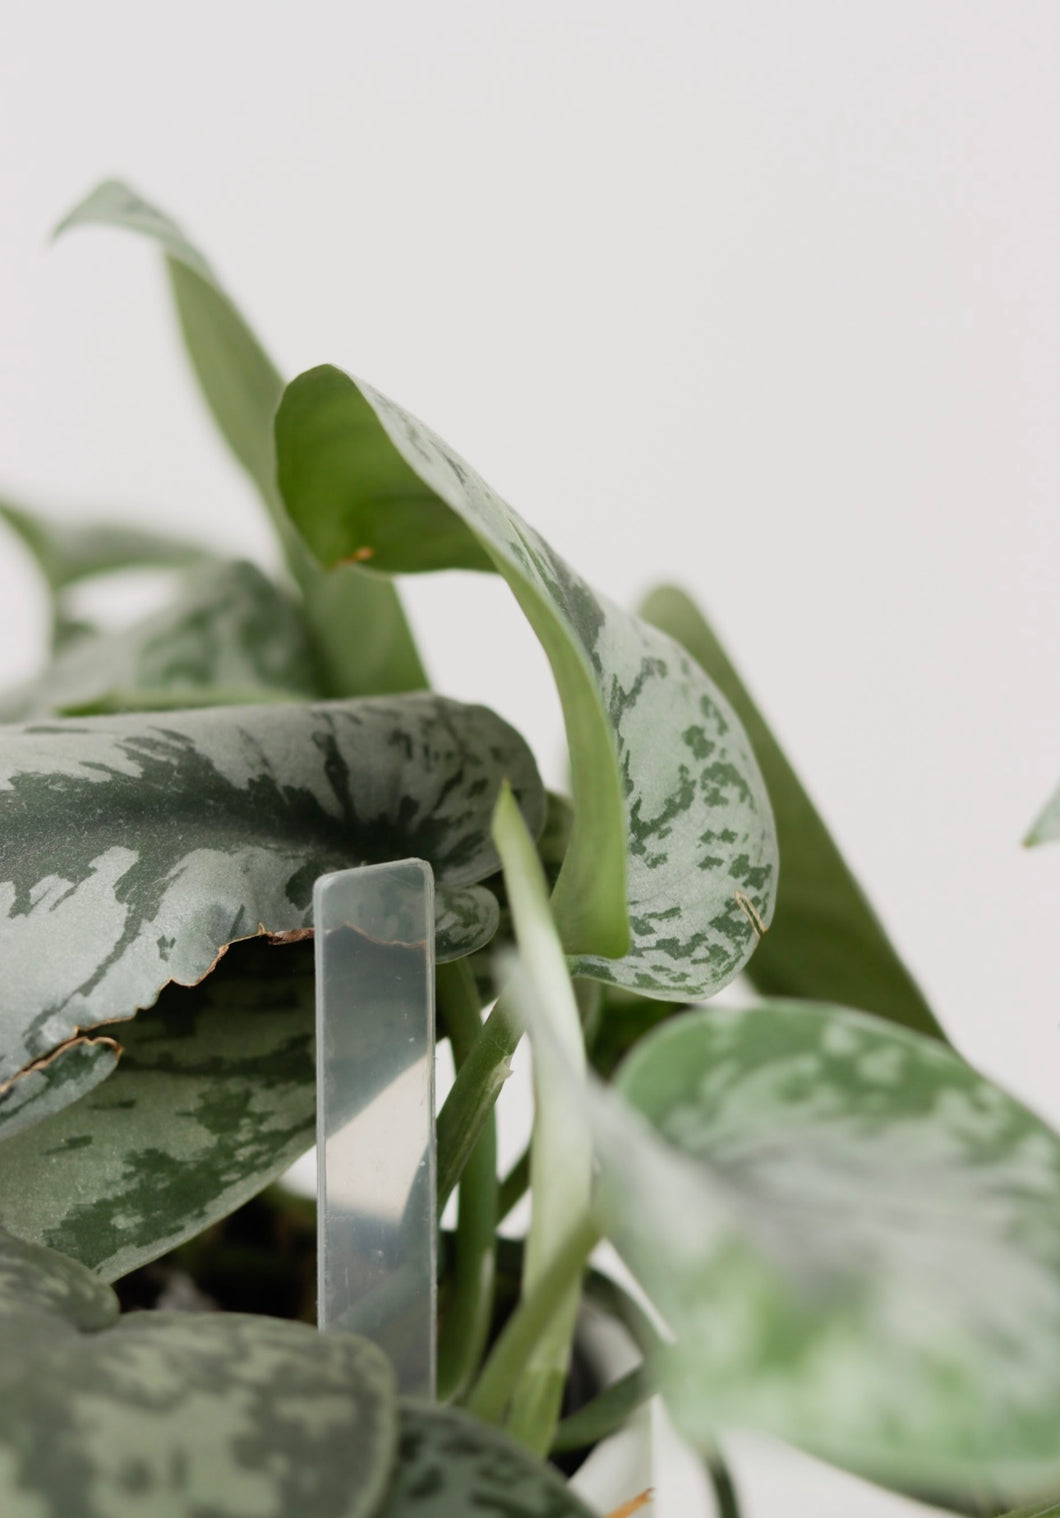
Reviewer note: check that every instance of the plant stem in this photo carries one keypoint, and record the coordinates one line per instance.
(469, 1307)
(606, 1412)
(726, 1500)
(471, 1100)
(492, 1393)
(514, 1186)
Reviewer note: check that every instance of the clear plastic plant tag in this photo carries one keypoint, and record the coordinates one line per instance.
(376, 1187)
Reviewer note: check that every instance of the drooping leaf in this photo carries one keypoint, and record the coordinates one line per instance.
(855, 1239)
(181, 1414)
(1046, 828)
(450, 1464)
(364, 641)
(61, 1078)
(229, 635)
(671, 863)
(134, 849)
(67, 552)
(825, 941)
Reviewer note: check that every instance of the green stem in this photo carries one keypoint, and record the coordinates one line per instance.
(514, 1186)
(725, 1498)
(471, 1100)
(606, 1412)
(469, 1304)
(617, 1303)
(493, 1391)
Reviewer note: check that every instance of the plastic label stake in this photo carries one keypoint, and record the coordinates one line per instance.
(376, 1187)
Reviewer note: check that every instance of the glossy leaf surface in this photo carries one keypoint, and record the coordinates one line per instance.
(143, 846)
(672, 851)
(450, 1464)
(181, 1414)
(825, 941)
(362, 635)
(855, 1239)
(229, 634)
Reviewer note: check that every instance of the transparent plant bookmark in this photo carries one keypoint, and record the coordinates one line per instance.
(376, 1187)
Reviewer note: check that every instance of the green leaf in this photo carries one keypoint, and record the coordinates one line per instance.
(450, 1464)
(855, 1239)
(825, 941)
(67, 552)
(54, 1082)
(39, 1281)
(229, 635)
(135, 849)
(1046, 828)
(657, 756)
(183, 1414)
(364, 640)
(213, 1097)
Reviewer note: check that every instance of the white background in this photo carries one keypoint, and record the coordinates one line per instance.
(759, 296)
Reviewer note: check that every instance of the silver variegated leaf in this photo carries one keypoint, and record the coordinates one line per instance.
(38, 1281)
(228, 635)
(854, 1238)
(135, 849)
(51, 1084)
(670, 872)
(825, 942)
(179, 1414)
(214, 1097)
(451, 1465)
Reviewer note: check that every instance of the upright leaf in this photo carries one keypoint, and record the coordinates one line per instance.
(1046, 827)
(825, 940)
(364, 640)
(229, 635)
(182, 1414)
(561, 1146)
(670, 868)
(133, 850)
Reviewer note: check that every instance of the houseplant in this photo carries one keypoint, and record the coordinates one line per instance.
(852, 1239)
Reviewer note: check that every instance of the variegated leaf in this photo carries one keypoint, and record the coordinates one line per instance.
(825, 941)
(855, 1239)
(229, 635)
(673, 838)
(55, 1081)
(214, 1096)
(1047, 825)
(362, 636)
(450, 1465)
(38, 1281)
(180, 1414)
(134, 849)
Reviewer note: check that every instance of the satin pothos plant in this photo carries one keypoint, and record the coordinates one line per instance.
(843, 1236)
